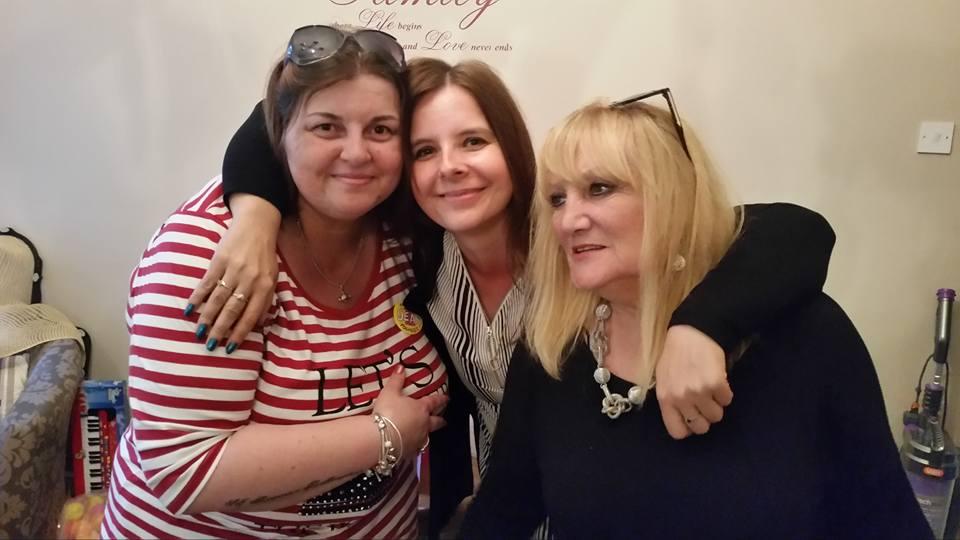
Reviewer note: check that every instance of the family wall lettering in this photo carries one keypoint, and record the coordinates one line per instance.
(397, 18)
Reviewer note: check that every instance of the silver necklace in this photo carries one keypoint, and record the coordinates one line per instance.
(613, 405)
(344, 296)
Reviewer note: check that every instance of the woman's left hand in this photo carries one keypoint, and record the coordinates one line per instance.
(691, 382)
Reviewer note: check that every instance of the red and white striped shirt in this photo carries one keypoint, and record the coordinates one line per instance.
(309, 363)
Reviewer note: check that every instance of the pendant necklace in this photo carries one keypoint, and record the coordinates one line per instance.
(344, 296)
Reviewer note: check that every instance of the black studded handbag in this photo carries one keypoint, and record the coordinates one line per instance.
(360, 493)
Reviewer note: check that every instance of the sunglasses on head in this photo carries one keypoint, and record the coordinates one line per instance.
(312, 44)
(665, 92)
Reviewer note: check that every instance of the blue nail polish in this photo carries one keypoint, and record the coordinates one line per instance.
(231, 347)
(211, 344)
(188, 311)
(201, 330)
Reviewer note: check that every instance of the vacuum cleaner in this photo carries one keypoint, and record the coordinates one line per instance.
(928, 452)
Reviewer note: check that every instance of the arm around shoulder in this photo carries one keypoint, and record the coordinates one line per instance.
(251, 166)
(778, 262)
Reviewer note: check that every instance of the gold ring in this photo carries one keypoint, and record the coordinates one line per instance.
(222, 283)
(239, 296)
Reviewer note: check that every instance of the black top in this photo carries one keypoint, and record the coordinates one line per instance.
(779, 261)
(804, 451)
(250, 166)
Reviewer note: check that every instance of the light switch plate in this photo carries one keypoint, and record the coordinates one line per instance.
(935, 138)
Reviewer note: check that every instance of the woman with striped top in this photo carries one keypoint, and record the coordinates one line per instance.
(310, 427)
(472, 174)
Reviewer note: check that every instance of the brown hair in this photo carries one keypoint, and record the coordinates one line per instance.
(290, 86)
(427, 75)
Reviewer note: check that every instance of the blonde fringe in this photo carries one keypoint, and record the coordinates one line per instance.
(686, 212)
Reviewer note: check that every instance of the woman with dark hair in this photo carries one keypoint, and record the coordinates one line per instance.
(310, 427)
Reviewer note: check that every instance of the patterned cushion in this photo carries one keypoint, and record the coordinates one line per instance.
(33, 437)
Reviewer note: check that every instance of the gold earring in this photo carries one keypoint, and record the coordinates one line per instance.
(679, 263)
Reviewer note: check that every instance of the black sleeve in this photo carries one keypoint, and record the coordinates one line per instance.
(451, 474)
(870, 496)
(778, 262)
(451, 471)
(250, 165)
(509, 503)
(451, 465)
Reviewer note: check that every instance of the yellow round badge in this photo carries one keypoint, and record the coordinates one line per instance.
(407, 321)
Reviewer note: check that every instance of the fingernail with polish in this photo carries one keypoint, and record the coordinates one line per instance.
(211, 344)
(231, 347)
(188, 311)
(201, 330)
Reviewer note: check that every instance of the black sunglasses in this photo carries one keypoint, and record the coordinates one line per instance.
(665, 92)
(311, 44)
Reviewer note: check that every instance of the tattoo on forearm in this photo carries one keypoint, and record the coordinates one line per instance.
(264, 499)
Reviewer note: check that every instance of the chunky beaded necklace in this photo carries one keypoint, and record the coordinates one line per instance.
(612, 405)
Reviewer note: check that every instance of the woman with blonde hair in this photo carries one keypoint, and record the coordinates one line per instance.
(628, 220)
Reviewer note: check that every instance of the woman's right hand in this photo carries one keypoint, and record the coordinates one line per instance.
(414, 418)
(235, 292)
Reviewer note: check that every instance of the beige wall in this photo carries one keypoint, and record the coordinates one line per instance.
(114, 111)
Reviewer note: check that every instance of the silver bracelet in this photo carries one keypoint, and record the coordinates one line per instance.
(399, 435)
(389, 456)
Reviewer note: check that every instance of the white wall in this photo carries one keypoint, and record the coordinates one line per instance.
(115, 111)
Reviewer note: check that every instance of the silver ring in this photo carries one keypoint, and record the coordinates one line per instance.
(424, 447)
(222, 283)
(240, 297)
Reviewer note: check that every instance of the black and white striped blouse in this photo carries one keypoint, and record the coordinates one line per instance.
(479, 350)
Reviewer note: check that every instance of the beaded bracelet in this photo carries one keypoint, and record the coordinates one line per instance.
(388, 451)
(397, 431)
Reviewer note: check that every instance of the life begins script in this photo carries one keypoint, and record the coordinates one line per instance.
(391, 17)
